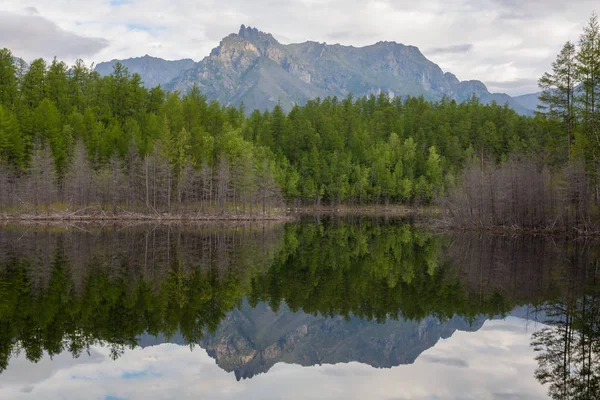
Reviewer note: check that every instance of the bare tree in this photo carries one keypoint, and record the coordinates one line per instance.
(267, 188)
(8, 181)
(79, 179)
(243, 181)
(40, 188)
(207, 185)
(111, 184)
(523, 193)
(222, 181)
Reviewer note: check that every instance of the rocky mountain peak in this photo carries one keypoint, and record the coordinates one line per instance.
(235, 53)
(260, 39)
(231, 43)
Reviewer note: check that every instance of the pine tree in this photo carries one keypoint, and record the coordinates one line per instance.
(8, 79)
(588, 70)
(57, 86)
(558, 90)
(33, 89)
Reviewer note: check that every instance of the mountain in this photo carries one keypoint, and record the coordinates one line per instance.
(254, 68)
(530, 101)
(154, 71)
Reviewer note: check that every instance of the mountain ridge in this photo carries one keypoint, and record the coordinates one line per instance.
(153, 70)
(252, 67)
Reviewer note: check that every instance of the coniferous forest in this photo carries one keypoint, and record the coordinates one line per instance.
(71, 139)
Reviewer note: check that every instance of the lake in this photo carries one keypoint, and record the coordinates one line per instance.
(325, 307)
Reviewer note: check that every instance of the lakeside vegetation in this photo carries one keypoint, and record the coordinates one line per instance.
(71, 140)
(80, 139)
(532, 192)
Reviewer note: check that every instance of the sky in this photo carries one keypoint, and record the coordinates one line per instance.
(507, 44)
(494, 362)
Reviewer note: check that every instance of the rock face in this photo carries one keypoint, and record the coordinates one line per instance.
(154, 71)
(254, 68)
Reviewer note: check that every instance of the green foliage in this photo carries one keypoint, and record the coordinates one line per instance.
(12, 144)
(357, 150)
(571, 97)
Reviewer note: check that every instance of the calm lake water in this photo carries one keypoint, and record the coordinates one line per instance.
(345, 308)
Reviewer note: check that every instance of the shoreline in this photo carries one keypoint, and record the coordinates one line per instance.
(126, 218)
(91, 214)
(426, 217)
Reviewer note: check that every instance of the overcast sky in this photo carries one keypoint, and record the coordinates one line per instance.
(507, 44)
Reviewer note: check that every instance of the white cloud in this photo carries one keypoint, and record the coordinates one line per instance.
(510, 41)
(494, 362)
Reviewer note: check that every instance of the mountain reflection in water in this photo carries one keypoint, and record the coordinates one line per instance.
(345, 294)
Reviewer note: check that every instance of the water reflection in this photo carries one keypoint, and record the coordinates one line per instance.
(568, 351)
(456, 368)
(318, 292)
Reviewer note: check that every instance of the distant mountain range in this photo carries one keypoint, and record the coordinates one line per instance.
(254, 68)
(529, 101)
(154, 71)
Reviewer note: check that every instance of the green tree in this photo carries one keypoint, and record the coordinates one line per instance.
(8, 79)
(558, 90)
(33, 90)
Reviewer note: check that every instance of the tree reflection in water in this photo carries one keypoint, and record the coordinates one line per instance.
(568, 350)
(67, 290)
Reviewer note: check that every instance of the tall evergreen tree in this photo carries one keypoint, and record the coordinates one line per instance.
(8, 79)
(559, 88)
(588, 69)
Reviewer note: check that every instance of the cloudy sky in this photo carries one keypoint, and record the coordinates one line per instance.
(507, 44)
(496, 362)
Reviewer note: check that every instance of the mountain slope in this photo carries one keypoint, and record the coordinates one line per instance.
(154, 71)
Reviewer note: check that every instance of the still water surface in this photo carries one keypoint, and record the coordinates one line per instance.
(321, 308)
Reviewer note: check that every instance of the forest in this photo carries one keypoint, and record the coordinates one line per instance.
(71, 139)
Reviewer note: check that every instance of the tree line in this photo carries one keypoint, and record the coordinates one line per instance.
(73, 138)
(69, 136)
